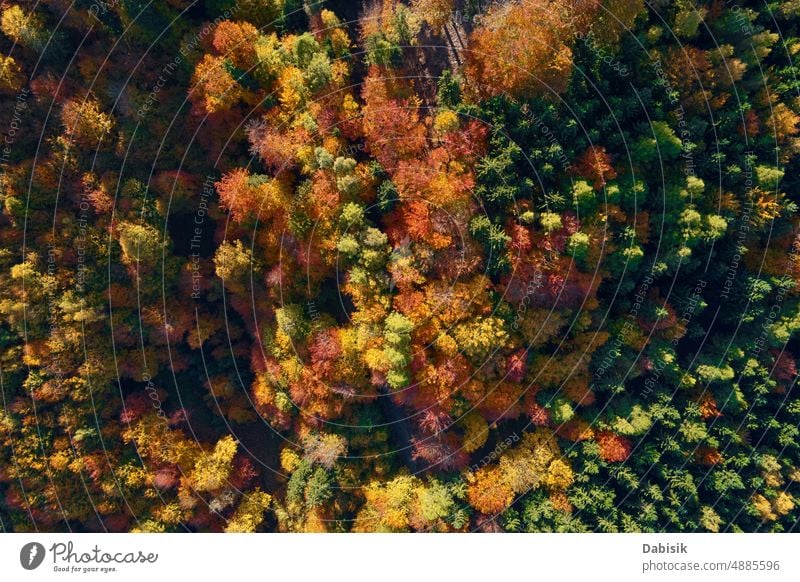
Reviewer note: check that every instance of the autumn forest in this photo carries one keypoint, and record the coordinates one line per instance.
(399, 266)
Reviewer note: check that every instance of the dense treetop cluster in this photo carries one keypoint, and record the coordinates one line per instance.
(433, 265)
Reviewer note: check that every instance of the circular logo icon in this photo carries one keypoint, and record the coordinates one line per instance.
(31, 555)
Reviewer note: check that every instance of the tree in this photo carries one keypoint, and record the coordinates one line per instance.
(85, 123)
(250, 512)
(436, 13)
(214, 88)
(391, 122)
(595, 165)
(615, 19)
(504, 288)
(141, 244)
(535, 462)
(521, 50)
(613, 447)
(212, 470)
(236, 41)
(406, 504)
(25, 29)
(11, 77)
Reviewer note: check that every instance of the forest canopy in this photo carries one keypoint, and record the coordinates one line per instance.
(394, 266)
